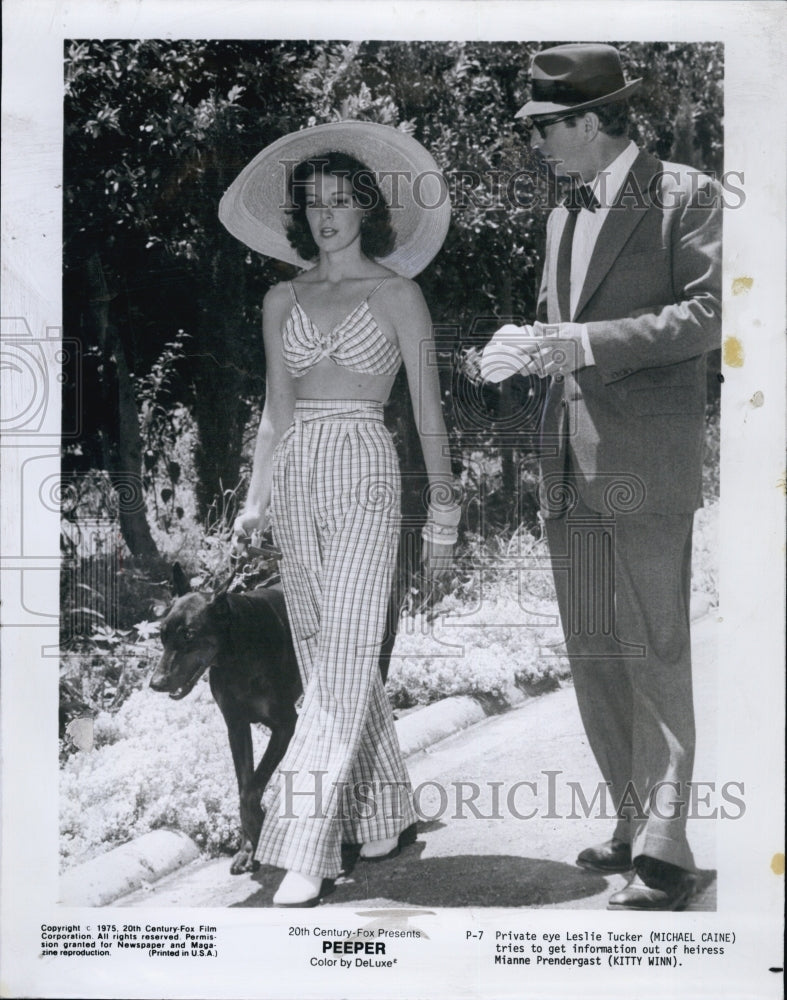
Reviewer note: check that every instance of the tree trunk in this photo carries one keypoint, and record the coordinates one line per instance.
(220, 407)
(123, 449)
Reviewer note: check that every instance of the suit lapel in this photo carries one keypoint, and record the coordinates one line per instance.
(620, 223)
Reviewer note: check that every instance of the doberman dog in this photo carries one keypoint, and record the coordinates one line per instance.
(245, 640)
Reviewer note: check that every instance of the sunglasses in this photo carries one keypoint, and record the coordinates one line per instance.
(542, 123)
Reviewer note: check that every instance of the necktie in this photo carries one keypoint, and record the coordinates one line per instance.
(564, 267)
(579, 196)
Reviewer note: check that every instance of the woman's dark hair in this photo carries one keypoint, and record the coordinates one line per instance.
(377, 235)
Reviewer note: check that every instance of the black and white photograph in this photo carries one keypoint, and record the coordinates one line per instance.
(393, 486)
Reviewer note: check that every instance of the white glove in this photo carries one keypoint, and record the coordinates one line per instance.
(565, 349)
(507, 353)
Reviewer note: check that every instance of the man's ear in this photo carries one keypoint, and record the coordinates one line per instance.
(590, 125)
(179, 581)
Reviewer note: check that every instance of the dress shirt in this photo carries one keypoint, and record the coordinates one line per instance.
(507, 353)
(605, 186)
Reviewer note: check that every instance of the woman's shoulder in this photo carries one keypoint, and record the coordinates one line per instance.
(396, 285)
(402, 302)
(281, 290)
(405, 292)
(278, 295)
(276, 305)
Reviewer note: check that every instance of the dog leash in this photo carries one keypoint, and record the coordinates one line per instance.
(238, 562)
(264, 548)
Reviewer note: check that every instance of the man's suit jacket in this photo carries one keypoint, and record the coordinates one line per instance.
(634, 421)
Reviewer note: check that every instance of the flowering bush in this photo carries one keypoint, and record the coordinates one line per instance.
(496, 630)
(705, 554)
(106, 668)
(155, 763)
(500, 629)
(159, 762)
(488, 658)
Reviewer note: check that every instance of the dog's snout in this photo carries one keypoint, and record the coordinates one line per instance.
(160, 679)
(158, 682)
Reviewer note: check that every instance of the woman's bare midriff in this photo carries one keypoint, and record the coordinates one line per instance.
(327, 380)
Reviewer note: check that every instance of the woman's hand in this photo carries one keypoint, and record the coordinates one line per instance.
(437, 557)
(247, 523)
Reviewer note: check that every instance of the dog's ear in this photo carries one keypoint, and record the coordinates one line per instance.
(219, 608)
(179, 581)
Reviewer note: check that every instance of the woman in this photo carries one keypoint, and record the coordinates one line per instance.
(334, 340)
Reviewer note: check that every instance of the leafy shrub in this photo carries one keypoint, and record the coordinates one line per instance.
(711, 458)
(495, 629)
(488, 658)
(156, 763)
(705, 555)
(98, 674)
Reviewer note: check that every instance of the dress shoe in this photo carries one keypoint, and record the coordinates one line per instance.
(608, 858)
(297, 889)
(656, 885)
(383, 850)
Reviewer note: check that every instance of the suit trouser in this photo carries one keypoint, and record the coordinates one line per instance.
(624, 585)
(336, 515)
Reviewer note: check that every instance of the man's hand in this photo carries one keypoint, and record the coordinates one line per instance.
(542, 350)
(506, 353)
(555, 350)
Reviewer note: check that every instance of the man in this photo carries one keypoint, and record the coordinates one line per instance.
(629, 306)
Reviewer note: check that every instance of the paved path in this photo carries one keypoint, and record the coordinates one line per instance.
(497, 859)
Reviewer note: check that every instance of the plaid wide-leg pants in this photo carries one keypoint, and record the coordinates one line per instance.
(336, 514)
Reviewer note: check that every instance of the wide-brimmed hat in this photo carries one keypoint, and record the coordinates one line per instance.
(253, 208)
(576, 77)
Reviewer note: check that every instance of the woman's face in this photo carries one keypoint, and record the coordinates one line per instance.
(331, 212)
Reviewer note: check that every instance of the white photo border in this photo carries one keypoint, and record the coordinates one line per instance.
(257, 958)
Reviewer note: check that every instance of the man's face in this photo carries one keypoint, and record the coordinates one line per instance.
(562, 144)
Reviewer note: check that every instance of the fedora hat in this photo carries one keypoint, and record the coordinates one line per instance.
(576, 77)
(254, 207)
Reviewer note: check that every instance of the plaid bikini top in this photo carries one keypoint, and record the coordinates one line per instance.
(357, 342)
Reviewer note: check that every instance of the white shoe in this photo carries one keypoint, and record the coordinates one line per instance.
(376, 850)
(297, 889)
(381, 850)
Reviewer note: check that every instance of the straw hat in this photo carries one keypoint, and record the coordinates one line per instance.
(253, 207)
(576, 77)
